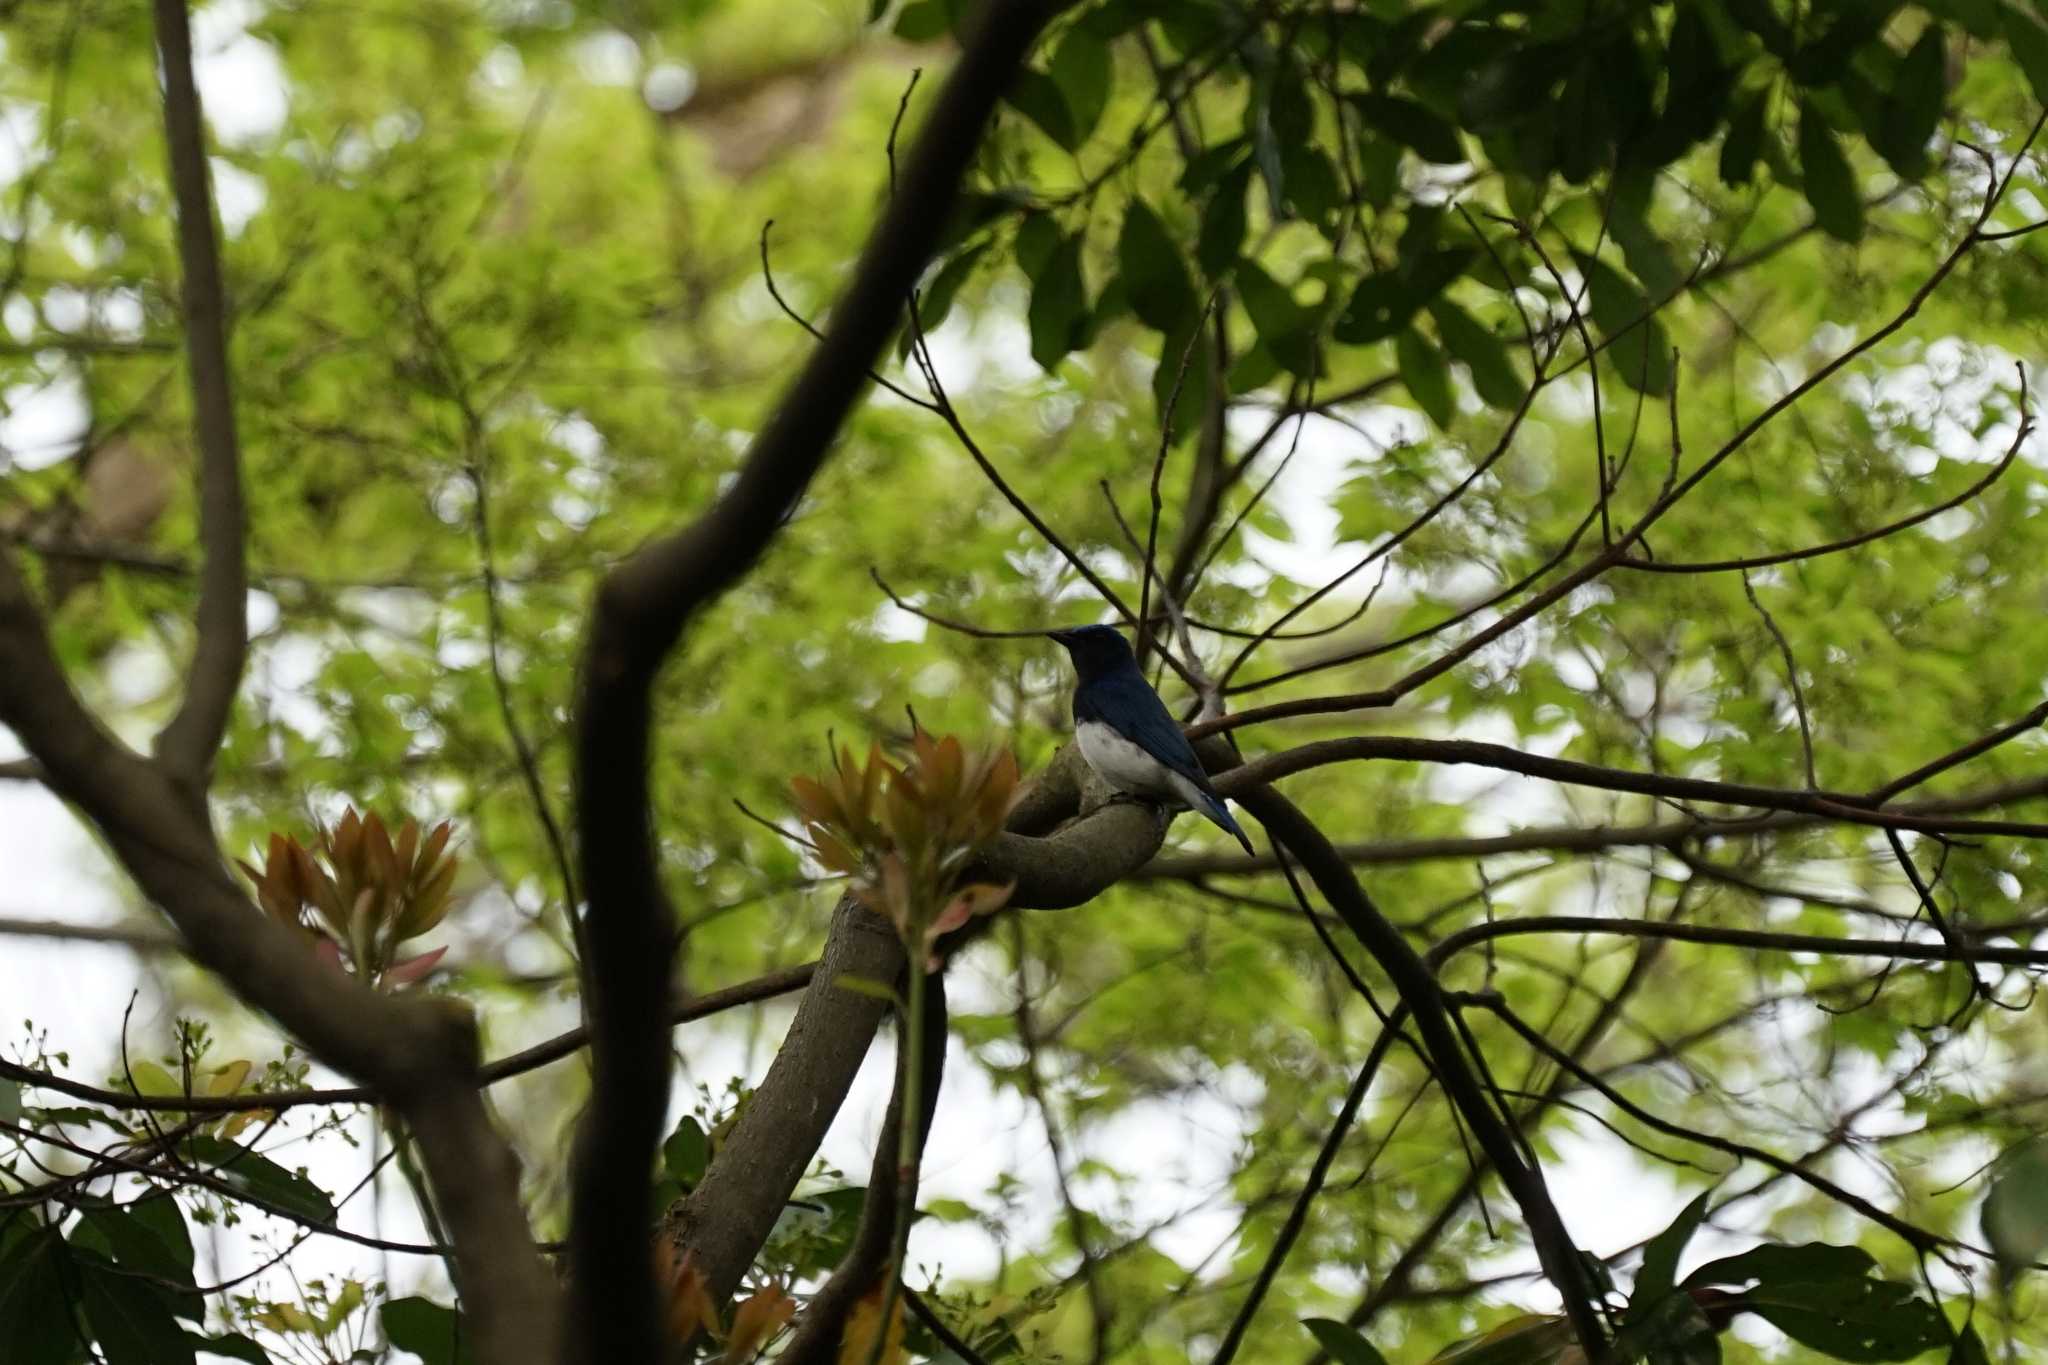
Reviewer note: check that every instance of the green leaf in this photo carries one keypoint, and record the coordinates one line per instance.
(340, 1307)
(1312, 191)
(1379, 170)
(1824, 60)
(35, 1311)
(1192, 345)
(1743, 142)
(131, 1325)
(149, 1238)
(1913, 108)
(1429, 135)
(1585, 140)
(1761, 18)
(1968, 1348)
(1343, 1342)
(231, 1345)
(1527, 1340)
(1515, 85)
(1426, 375)
(686, 1153)
(1493, 374)
(920, 22)
(1254, 369)
(161, 1243)
(431, 1332)
(1669, 1330)
(1861, 1320)
(1285, 328)
(1038, 236)
(1288, 106)
(1696, 93)
(1385, 302)
(1035, 95)
(10, 1102)
(2029, 44)
(1628, 222)
(821, 1226)
(1810, 1262)
(1639, 351)
(1830, 184)
(937, 301)
(1659, 1272)
(1258, 122)
(2015, 1212)
(151, 1079)
(1059, 304)
(1223, 222)
(262, 1179)
(1207, 167)
(1161, 293)
(1081, 69)
(1978, 18)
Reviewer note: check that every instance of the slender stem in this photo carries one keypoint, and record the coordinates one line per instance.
(909, 1145)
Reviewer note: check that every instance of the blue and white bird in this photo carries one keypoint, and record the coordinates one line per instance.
(1127, 734)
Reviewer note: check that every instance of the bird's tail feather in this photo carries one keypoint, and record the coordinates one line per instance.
(1213, 807)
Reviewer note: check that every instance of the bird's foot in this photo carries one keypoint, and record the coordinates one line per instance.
(1163, 812)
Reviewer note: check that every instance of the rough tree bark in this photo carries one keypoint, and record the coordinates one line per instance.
(639, 616)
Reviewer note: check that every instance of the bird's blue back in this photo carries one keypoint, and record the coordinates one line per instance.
(1124, 701)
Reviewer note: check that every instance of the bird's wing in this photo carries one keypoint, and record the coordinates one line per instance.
(1129, 705)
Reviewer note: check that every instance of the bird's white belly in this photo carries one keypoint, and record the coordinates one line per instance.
(1123, 764)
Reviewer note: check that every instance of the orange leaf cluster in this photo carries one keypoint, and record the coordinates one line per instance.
(902, 834)
(864, 1324)
(756, 1321)
(363, 893)
(687, 1308)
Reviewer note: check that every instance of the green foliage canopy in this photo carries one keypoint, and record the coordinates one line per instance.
(1474, 286)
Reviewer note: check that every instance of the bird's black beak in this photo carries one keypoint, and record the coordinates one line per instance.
(1065, 637)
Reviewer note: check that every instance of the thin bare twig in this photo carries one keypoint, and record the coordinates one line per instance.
(1861, 538)
(1791, 678)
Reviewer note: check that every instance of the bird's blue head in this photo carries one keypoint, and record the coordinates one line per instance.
(1096, 650)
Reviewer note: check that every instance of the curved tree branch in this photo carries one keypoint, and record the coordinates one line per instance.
(1846, 807)
(419, 1055)
(1672, 834)
(640, 612)
(890, 1190)
(1759, 939)
(188, 742)
(1056, 861)
(1419, 991)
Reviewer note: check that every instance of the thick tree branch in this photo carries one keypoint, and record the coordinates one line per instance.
(419, 1055)
(1419, 991)
(188, 743)
(1056, 861)
(723, 1222)
(1394, 1282)
(890, 1190)
(639, 615)
(1758, 939)
(1673, 834)
(1916, 1237)
(1845, 807)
